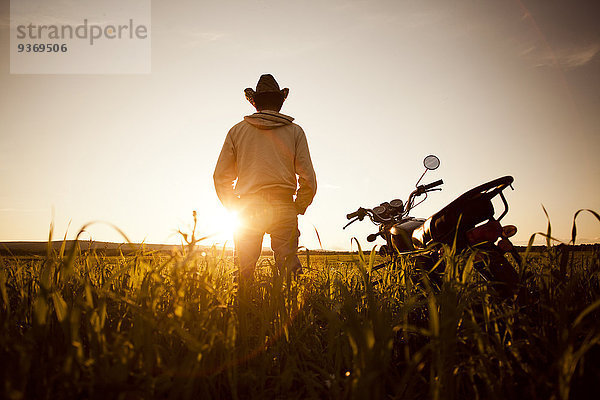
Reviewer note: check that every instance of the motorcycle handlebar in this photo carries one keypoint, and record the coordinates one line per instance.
(433, 184)
(354, 214)
(362, 212)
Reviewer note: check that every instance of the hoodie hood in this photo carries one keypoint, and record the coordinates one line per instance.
(267, 119)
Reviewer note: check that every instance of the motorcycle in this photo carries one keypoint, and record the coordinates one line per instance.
(468, 222)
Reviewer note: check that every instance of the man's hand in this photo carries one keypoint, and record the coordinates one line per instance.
(299, 209)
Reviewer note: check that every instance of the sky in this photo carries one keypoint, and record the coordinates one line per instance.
(492, 88)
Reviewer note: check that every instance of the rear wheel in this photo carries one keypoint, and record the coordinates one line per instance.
(503, 273)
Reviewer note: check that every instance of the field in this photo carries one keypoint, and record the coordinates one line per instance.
(149, 324)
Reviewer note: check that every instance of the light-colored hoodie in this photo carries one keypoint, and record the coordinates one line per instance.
(265, 151)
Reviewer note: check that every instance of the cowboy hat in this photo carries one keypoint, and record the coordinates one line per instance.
(266, 84)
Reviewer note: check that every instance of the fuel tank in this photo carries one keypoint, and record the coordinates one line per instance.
(402, 233)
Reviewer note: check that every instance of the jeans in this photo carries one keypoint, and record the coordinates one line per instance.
(278, 218)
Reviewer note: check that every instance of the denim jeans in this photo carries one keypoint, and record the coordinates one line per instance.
(276, 217)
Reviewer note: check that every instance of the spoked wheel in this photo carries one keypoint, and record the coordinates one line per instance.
(425, 267)
(503, 273)
(420, 266)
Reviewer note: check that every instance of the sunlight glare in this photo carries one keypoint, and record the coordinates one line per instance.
(231, 223)
(219, 226)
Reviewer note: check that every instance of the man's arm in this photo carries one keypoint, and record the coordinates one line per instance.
(307, 179)
(226, 173)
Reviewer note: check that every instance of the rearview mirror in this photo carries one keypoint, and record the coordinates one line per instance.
(431, 162)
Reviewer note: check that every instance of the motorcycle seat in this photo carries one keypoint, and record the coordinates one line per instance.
(462, 213)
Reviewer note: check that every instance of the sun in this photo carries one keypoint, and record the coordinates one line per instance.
(218, 226)
(231, 222)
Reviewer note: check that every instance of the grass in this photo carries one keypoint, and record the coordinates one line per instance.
(149, 325)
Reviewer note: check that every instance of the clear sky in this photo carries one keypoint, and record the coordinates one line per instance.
(493, 88)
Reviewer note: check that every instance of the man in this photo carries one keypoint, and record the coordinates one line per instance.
(263, 164)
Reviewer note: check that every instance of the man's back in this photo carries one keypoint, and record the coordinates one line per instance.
(264, 151)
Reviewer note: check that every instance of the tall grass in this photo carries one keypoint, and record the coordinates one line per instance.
(149, 325)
